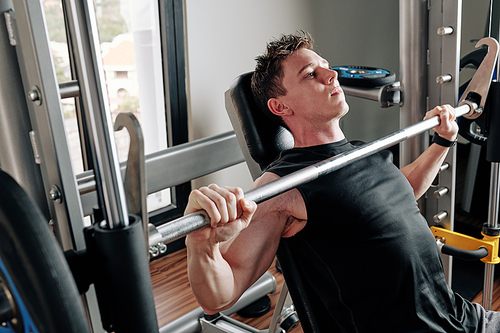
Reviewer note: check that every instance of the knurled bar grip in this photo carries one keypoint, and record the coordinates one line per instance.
(180, 227)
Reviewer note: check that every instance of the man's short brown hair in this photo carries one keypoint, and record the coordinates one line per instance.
(267, 80)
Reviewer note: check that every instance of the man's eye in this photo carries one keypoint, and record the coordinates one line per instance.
(310, 75)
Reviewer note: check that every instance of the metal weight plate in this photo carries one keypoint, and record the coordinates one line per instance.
(14, 315)
(364, 77)
(34, 270)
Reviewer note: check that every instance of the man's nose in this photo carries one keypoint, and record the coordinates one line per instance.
(330, 75)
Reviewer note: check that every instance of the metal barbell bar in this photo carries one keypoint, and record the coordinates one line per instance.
(180, 227)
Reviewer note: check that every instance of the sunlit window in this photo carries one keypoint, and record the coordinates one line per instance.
(131, 54)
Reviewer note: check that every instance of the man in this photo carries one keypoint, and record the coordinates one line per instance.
(356, 233)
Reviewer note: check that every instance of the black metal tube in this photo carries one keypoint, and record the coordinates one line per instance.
(493, 111)
(123, 281)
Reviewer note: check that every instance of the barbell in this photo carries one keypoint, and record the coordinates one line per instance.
(182, 226)
(470, 105)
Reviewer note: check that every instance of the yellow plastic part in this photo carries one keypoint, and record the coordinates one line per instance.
(465, 242)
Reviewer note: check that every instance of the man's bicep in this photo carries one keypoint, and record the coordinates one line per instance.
(252, 252)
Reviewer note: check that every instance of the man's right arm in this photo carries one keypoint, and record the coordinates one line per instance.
(227, 257)
(210, 275)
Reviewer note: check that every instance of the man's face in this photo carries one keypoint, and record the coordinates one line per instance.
(312, 87)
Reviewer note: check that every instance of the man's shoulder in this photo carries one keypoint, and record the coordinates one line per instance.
(265, 178)
(291, 203)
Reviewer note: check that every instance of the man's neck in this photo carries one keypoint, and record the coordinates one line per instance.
(315, 137)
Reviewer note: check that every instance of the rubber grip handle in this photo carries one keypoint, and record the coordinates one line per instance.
(464, 254)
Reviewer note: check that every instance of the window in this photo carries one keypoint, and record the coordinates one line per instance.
(121, 75)
(135, 43)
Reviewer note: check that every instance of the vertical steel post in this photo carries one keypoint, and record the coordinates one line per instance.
(489, 270)
(84, 39)
(445, 21)
(413, 73)
(492, 155)
(41, 93)
(16, 156)
(123, 283)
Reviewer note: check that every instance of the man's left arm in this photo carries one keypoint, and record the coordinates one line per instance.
(421, 172)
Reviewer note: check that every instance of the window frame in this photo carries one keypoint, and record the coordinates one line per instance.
(173, 51)
(176, 109)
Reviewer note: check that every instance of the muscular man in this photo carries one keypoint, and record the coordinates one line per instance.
(357, 233)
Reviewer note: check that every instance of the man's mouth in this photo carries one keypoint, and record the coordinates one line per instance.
(336, 91)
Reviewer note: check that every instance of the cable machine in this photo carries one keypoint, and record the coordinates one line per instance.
(116, 245)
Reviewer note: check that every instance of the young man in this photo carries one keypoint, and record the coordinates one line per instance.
(357, 233)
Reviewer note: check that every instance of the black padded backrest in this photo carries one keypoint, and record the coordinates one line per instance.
(264, 140)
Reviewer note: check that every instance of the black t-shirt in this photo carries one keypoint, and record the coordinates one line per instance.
(366, 250)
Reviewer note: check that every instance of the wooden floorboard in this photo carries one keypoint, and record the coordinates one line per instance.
(495, 297)
(173, 296)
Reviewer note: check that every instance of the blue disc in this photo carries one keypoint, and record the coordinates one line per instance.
(362, 76)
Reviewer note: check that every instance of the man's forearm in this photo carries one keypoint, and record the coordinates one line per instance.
(423, 170)
(210, 276)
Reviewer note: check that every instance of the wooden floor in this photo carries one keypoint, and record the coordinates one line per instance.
(173, 297)
(495, 299)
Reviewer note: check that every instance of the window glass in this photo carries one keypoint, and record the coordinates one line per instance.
(131, 56)
(60, 55)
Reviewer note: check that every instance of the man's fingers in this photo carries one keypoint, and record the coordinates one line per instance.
(217, 203)
(198, 200)
(229, 230)
(222, 204)
(248, 209)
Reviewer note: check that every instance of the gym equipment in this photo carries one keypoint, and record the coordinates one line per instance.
(192, 222)
(40, 302)
(370, 83)
(386, 95)
(195, 320)
(135, 173)
(470, 128)
(65, 207)
(115, 259)
(466, 247)
(363, 76)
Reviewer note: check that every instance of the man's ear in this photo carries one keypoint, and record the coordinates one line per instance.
(277, 107)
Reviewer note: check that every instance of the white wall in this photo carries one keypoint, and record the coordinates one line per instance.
(223, 38)
(362, 33)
